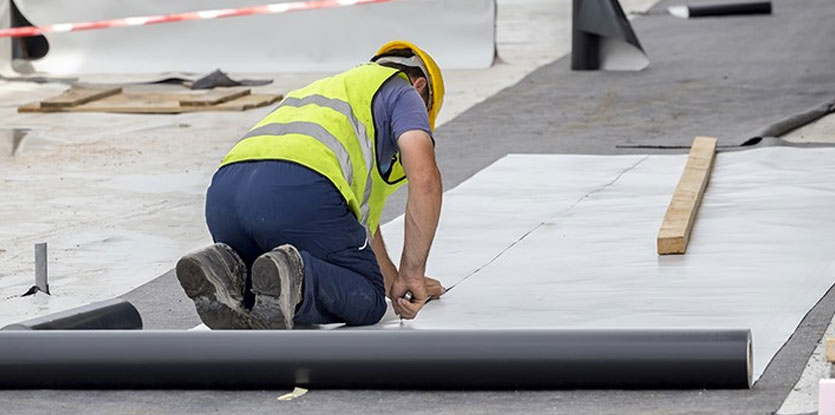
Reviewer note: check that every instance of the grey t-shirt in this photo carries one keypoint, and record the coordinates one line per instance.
(397, 108)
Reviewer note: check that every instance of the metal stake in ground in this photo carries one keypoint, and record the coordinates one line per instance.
(40, 268)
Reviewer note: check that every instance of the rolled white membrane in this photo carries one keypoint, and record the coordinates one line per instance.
(459, 34)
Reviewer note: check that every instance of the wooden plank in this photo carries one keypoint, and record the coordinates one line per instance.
(830, 350)
(146, 103)
(138, 103)
(77, 96)
(36, 107)
(214, 97)
(156, 103)
(681, 213)
(247, 102)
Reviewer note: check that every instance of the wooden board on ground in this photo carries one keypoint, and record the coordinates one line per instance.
(220, 99)
(247, 102)
(78, 96)
(830, 350)
(215, 96)
(681, 213)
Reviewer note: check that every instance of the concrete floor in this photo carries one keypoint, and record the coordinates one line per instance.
(803, 398)
(820, 131)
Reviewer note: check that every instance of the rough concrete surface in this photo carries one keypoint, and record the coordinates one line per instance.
(803, 398)
(820, 131)
(724, 77)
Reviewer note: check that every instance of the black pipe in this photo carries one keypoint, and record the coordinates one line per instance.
(377, 359)
(761, 7)
(115, 314)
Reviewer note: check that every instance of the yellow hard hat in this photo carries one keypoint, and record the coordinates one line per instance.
(429, 67)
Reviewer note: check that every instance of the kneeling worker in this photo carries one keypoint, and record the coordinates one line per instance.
(294, 208)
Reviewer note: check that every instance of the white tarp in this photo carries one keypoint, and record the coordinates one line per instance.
(460, 34)
(578, 235)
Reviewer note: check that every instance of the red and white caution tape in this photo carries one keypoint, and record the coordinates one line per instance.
(182, 17)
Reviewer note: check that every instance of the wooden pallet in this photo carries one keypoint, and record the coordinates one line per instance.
(90, 99)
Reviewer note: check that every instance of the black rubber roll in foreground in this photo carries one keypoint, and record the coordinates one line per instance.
(376, 359)
(115, 314)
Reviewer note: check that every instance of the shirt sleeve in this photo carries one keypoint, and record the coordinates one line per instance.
(408, 112)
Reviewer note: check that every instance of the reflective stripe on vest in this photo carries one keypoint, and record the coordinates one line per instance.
(313, 130)
(323, 136)
(345, 109)
(366, 144)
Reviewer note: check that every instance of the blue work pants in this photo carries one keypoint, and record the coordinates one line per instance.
(259, 205)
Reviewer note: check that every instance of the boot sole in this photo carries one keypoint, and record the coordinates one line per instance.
(274, 306)
(214, 303)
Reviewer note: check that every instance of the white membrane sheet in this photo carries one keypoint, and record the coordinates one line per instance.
(459, 34)
(575, 240)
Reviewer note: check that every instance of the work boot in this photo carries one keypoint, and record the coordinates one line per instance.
(214, 279)
(277, 283)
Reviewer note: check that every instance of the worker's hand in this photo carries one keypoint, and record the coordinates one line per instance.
(404, 307)
(434, 288)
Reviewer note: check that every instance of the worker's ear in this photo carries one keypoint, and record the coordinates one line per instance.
(422, 86)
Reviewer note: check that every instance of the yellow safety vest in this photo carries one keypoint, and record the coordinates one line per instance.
(328, 126)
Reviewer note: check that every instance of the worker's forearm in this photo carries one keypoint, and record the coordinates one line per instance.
(387, 267)
(423, 209)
